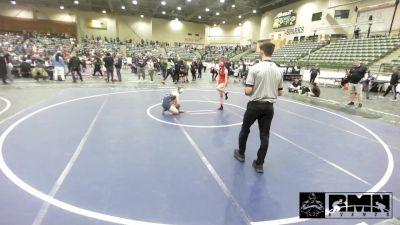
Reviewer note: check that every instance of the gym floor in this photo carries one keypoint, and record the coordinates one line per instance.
(108, 155)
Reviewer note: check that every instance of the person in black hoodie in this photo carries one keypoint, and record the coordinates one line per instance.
(394, 81)
(109, 64)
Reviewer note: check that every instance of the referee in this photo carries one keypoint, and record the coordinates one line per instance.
(263, 85)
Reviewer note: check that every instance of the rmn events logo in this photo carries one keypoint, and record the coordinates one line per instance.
(339, 205)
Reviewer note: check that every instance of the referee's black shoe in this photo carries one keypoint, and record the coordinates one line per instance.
(238, 156)
(258, 167)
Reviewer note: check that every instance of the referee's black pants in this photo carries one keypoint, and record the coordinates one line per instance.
(263, 112)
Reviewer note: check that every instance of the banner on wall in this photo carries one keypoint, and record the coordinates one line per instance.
(284, 19)
(96, 24)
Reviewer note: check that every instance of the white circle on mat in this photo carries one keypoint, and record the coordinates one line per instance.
(189, 125)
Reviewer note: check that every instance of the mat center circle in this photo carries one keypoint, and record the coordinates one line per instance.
(198, 110)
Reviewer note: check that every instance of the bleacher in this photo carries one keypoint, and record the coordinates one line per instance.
(146, 50)
(51, 44)
(215, 53)
(342, 53)
(183, 52)
(290, 52)
(387, 67)
(101, 47)
(8, 41)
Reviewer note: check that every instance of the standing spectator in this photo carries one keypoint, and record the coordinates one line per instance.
(170, 70)
(193, 68)
(150, 68)
(75, 67)
(199, 68)
(109, 64)
(59, 66)
(356, 76)
(164, 65)
(141, 63)
(264, 83)
(314, 72)
(177, 71)
(97, 66)
(9, 67)
(357, 32)
(3, 69)
(118, 66)
(394, 81)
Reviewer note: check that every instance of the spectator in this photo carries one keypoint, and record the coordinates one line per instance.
(356, 76)
(314, 72)
(3, 69)
(394, 81)
(39, 71)
(118, 66)
(295, 86)
(141, 63)
(150, 68)
(75, 67)
(58, 64)
(25, 68)
(315, 91)
(109, 64)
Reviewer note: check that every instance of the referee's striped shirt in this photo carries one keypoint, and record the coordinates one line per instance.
(266, 79)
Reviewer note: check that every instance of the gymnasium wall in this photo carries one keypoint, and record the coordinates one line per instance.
(328, 24)
(178, 31)
(245, 34)
(32, 18)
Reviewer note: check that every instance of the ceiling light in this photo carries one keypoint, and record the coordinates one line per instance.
(222, 1)
(240, 16)
(163, 3)
(163, 12)
(141, 16)
(240, 24)
(223, 22)
(61, 7)
(207, 10)
(215, 25)
(13, 2)
(76, 2)
(134, 2)
(254, 11)
(122, 7)
(104, 11)
(199, 17)
(189, 0)
(179, 8)
(217, 13)
(233, 6)
(176, 19)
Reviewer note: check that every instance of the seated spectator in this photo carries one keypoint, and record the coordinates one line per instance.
(295, 87)
(313, 92)
(25, 69)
